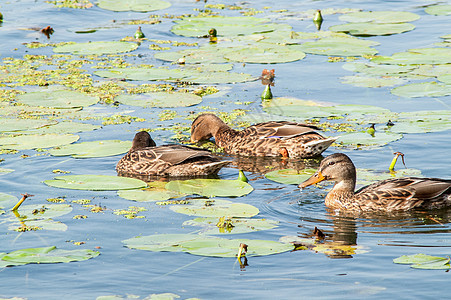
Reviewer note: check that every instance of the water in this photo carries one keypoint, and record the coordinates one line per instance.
(306, 274)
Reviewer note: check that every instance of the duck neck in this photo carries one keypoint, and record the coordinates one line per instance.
(341, 194)
(222, 132)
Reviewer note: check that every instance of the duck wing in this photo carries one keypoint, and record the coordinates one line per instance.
(177, 154)
(280, 129)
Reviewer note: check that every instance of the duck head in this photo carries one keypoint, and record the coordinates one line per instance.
(205, 126)
(142, 140)
(337, 167)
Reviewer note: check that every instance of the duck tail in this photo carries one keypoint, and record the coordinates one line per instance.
(317, 147)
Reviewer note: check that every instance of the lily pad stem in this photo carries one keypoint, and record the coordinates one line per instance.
(24, 196)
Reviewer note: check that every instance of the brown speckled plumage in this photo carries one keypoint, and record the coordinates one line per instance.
(263, 139)
(144, 158)
(386, 195)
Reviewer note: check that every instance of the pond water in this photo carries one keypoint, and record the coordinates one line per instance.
(377, 238)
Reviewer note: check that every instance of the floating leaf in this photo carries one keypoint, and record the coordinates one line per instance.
(290, 176)
(160, 99)
(46, 211)
(423, 121)
(236, 225)
(45, 224)
(135, 5)
(366, 177)
(371, 29)
(4, 171)
(210, 187)
(417, 56)
(92, 149)
(96, 48)
(7, 200)
(227, 26)
(359, 139)
(48, 255)
(377, 69)
(205, 245)
(154, 192)
(10, 125)
(380, 17)
(216, 208)
(423, 89)
(57, 99)
(372, 82)
(95, 182)
(338, 47)
(33, 141)
(203, 55)
(446, 78)
(265, 55)
(423, 261)
(439, 10)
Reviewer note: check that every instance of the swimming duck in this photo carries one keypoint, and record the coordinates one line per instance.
(386, 195)
(263, 139)
(145, 158)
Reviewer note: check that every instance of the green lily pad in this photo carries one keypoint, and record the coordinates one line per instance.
(205, 245)
(417, 56)
(377, 69)
(363, 139)
(10, 125)
(372, 82)
(366, 177)
(220, 77)
(265, 55)
(446, 78)
(143, 74)
(4, 171)
(46, 211)
(371, 29)
(7, 200)
(423, 121)
(160, 99)
(239, 225)
(210, 187)
(44, 224)
(133, 5)
(57, 99)
(95, 182)
(226, 26)
(96, 48)
(218, 208)
(92, 149)
(423, 89)
(34, 141)
(203, 55)
(380, 17)
(63, 127)
(338, 47)
(423, 261)
(48, 255)
(290, 176)
(439, 10)
(154, 192)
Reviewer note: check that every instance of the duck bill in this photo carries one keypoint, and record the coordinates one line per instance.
(317, 177)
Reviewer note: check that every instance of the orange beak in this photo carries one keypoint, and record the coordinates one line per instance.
(317, 177)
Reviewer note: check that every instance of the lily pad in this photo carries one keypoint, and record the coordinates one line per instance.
(235, 225)
(417, 56)
(265, 55)
(92, 149)
(133, 5)
(205, 245)
(209, 55)
(446, 78)
(423, 261)
(423, 121)
(96, 48)
(154, 192)
(160, 99)
(34, 141)
(95, 182)
(210, 187)
(227, 26)
(377, 69)
(46, 211)
(290, 176)
(44, 224)
(372, 29)
(372, 82)
(7, 200)
(439, 10)
(380, 17)
(4, 171)
(63, 127)
(220, 77)
(10, 125)
(143, 73)
(217, 208)
(366, 177)
(338, 47)
(423, 89)
(363, 139)
(47, 255)
(57, 99)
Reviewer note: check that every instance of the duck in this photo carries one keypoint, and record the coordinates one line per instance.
(387, 195)
(262, 139)
(145, 158)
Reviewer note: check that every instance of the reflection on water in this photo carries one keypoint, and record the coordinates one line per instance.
(267, 164)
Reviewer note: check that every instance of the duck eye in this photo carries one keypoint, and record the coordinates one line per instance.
(331, 163)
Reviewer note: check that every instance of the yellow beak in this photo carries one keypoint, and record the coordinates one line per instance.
(317, 177)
